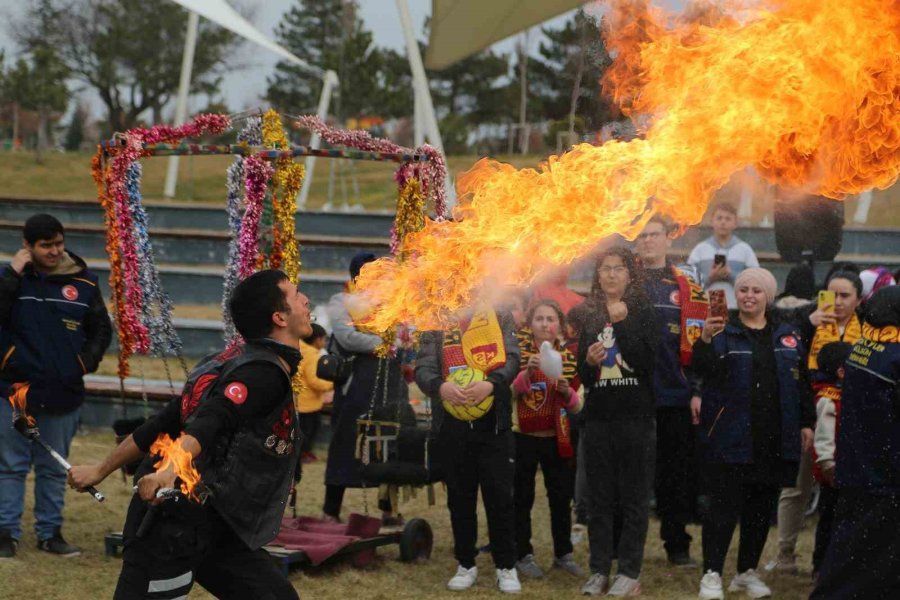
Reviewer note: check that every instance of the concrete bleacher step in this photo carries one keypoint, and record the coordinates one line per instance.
(207, 247)
(194, 215)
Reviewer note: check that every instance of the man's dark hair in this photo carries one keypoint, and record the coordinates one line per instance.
(666, 224)
(41, 227)
(317, 332)
(254, 300)
(724, 206)
(832, 357)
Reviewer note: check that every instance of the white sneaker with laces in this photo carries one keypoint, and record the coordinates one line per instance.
(508, 581)
(623, 585)
(750, 583)
(711, 587)
(464, 579)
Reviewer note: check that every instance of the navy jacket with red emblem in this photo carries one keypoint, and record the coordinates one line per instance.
(54, 329)
(726, 366)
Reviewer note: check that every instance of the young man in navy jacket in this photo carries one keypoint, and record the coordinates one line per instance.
(54, 329)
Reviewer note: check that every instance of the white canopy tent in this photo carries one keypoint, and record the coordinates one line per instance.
(221, 13)
(460, 28)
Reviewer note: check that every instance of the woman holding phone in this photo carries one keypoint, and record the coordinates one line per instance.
(756, 417)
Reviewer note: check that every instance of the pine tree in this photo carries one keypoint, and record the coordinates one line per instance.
(327, 34)
(566, 77)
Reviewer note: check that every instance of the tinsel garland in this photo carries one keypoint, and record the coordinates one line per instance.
(251, 135)
(256, 173)
(432, 174)
(164, 341)
(100, 172)
(120, 182)
(410, 216)
(286, 185)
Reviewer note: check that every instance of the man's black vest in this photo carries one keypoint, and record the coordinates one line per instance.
(249, 474)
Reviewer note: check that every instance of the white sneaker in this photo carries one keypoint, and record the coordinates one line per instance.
(464, 579)
(750, 583)
(711, 587)
(624, 586)
(508, 581)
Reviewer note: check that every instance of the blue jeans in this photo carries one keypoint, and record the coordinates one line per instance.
(17, 454)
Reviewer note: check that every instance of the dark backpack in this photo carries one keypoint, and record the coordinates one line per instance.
(203, 377)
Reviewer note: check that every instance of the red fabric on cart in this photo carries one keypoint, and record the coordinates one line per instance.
(320, 540)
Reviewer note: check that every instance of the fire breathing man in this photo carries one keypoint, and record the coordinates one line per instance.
(243, 436)
(54, 328)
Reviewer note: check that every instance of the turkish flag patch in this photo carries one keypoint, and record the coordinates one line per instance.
(236, 392)
(789, 341)
(70, 293)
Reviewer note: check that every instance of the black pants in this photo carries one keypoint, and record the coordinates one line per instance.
(309, 427)
(675, 476)
(188, 543)
(863, 558)
(733, 499)
(480, 459)
(559, 481)
(828, 497)
(619, 457)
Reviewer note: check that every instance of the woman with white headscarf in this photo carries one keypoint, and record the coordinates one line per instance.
(755, 415)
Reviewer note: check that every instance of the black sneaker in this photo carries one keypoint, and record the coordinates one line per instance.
(8, 545)
(682, 560)
(57, 545)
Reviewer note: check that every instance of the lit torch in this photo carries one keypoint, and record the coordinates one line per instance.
(27, 426)
(801, 90)
(171, 453)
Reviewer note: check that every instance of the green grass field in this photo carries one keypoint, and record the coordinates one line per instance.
(202, 179)
(35, 575)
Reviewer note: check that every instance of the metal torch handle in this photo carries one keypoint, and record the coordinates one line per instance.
(99, 497)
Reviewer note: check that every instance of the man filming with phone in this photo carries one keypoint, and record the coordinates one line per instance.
(721, 258)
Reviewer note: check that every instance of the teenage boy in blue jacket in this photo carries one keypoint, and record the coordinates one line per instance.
(54, 328)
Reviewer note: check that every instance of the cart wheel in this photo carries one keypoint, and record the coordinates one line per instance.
(416, 541)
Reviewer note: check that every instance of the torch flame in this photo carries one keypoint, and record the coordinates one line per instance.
(806, 91)
(172, 453)
(19, 400)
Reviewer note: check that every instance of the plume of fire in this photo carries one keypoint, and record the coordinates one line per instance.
(805, 91)
(171, 453)
(19, 400)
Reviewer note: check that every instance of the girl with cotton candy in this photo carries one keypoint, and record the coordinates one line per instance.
(544, 393)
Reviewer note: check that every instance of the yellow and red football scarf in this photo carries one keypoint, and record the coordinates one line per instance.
(540, 409)
(825, 334)
(889, 334)
(476, 342)
(694, 309)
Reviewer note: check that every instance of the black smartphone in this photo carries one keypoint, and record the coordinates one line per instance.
(719, 260)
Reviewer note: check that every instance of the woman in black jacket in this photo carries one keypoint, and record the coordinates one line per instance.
(615, 362)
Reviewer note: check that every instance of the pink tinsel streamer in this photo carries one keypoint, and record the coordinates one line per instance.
(256, 173)
(432, 173)
(125, 156)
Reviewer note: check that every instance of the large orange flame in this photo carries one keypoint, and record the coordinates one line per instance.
(806, 91)
(171, 453)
